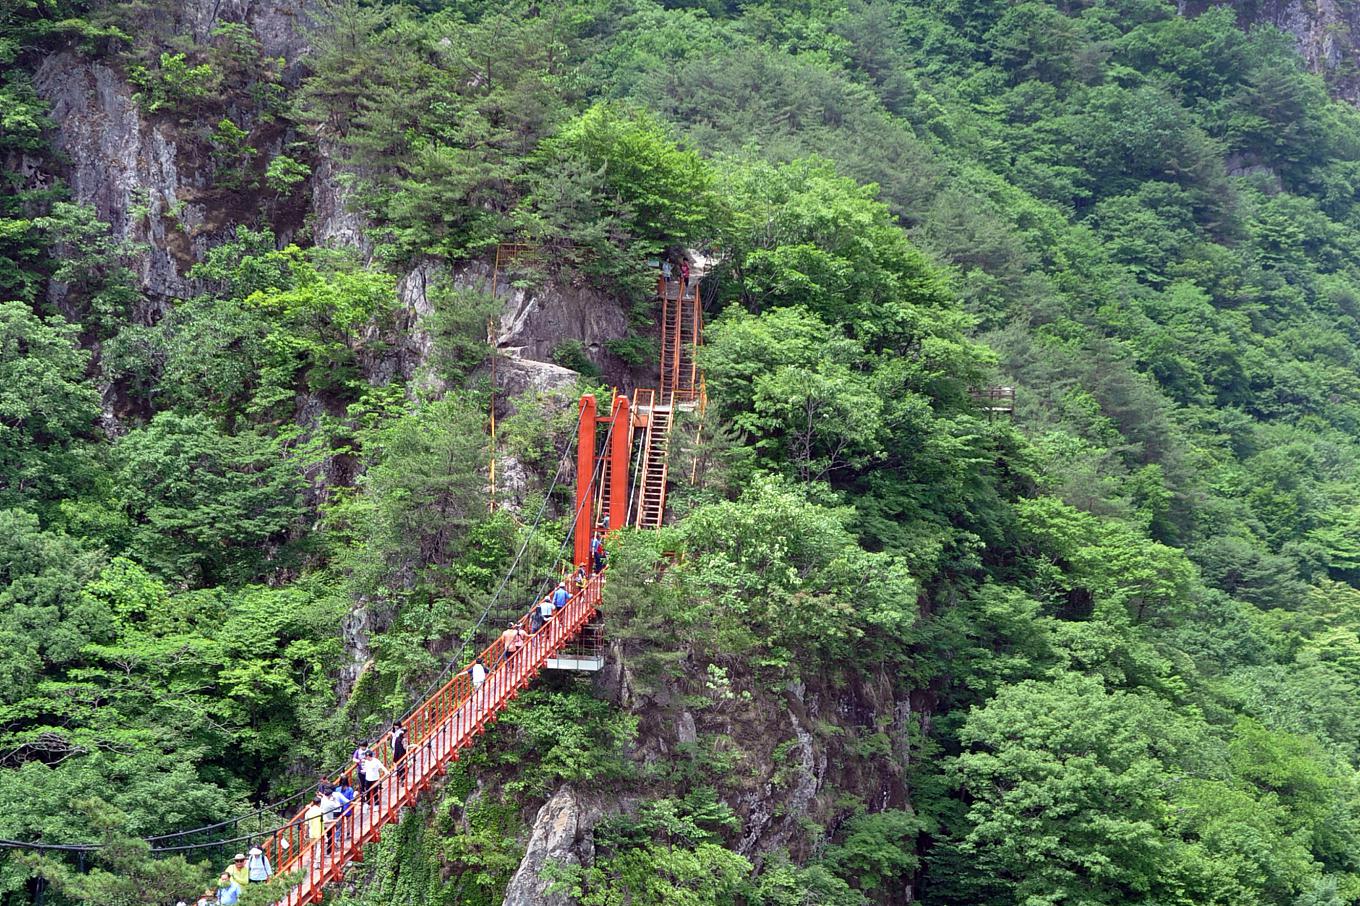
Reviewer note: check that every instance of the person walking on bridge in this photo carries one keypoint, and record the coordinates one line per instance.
(258, 869)
(374, 771)
(315, 823)
(543, 613)
(512, 640)
(228, 891)
(331, 807)
(560, 596)
(237, 869)
(399, 752)
(358, 758)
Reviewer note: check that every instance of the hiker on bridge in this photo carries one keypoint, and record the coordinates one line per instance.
(373, 770)
(258, 869)
(477, 673)
(399, 752)
(345, 793)
(542, 614)
(512, 640)
(237, 869)
(228, 891)
(560, 596)
(331, 807)
(313, 820)
(598, 555)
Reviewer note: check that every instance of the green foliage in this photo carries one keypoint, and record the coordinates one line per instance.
(1107, 652)
(174, 85)
(124, 871)
(572, 354)
(879, 850)
(669, 855)
(284, 173)
(667, 191)
(423, 492)
(46, 407)
(205, 506)
(572, 738)
(231, 154)
(89, 266)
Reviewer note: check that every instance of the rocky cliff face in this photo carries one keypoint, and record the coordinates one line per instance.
(140, 175)
(561, 834)
(796, 752)
(1327, 33)
(125, 168)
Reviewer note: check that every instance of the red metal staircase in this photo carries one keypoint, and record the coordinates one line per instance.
(655, 421)
(681, 331)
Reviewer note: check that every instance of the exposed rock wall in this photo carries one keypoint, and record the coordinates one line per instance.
(561, 833)
(1327, 33)
(150, 184)
(279, 25)
(799, 752)
(534, 323)
(125, 168)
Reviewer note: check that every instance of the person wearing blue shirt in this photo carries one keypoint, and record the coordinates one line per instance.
(228, 891)
(560, 597)
(345, 794)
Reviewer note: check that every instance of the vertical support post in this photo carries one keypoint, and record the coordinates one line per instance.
(618, 464)
(585, 480)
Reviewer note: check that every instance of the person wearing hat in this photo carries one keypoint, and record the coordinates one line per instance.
(512, 640)
(258, 869)
(237, 869)
(561, 596)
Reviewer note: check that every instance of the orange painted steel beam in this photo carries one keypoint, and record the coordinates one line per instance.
(585, 481)
(618, 463)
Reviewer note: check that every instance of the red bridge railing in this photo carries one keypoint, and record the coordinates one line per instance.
(439, 728)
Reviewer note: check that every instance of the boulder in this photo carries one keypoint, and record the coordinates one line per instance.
(561, 834)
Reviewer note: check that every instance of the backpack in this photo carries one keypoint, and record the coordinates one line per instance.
(257, 868)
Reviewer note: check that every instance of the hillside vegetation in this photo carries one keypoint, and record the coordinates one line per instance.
(1105, 653)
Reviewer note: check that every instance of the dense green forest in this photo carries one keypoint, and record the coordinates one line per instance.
(1107, 652)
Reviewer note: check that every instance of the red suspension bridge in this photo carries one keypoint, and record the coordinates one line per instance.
(637, 446)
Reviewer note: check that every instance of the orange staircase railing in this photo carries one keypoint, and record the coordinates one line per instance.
(653, 468)
(437, 730)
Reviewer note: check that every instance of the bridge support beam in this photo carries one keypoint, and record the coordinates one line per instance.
(618, 463)
(585, 481)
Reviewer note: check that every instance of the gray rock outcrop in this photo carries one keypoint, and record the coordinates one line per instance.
(279, 25)
(561, 834)
(534, 323)
(123, 167)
